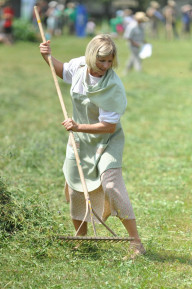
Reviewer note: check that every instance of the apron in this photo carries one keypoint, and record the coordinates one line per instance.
(97, 152)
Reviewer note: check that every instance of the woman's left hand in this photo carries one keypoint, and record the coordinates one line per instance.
(70, 124)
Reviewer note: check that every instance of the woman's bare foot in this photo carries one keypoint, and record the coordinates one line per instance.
(136, 250)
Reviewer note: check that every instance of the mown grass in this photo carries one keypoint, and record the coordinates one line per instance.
(157, 171)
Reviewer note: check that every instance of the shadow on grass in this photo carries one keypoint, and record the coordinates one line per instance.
(168, 257)
(95, 252)
(88, 251)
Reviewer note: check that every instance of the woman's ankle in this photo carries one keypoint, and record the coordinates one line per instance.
(136, 240)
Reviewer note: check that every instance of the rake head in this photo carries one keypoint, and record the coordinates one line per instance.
(95, 239)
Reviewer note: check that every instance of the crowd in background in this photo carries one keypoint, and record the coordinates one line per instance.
(74, 19)
(165, 17)
(56, 16)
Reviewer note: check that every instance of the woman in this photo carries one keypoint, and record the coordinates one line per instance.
(99, 100)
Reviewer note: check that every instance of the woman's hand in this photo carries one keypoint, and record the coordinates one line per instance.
(45, 48)
(70, 124)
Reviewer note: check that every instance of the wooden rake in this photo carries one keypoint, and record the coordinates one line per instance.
(89, 209)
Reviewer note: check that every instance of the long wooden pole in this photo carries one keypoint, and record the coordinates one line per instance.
(86, 194)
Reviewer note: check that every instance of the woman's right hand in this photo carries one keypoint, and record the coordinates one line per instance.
(70, 124)
(45, 48)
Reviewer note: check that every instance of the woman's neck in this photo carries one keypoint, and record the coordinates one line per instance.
(93, 73)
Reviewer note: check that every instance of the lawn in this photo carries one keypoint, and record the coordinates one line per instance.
(156, 167)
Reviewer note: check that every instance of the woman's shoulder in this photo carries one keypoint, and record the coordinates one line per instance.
(74, 64)
(79, 61)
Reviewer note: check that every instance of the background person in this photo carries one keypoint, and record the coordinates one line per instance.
(70, 17)
(52, 18)
(135, 36)
(155, 16)
(186, 11)
(99, 100)
(3, 37)
(170, 13)
(90, 28)
(127, 18)
(8, 16)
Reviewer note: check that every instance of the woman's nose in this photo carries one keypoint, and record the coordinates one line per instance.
(106, 64)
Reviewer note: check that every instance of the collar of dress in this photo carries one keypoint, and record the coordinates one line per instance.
(108, 94)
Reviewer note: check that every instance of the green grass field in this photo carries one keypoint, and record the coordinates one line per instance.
(156, 167)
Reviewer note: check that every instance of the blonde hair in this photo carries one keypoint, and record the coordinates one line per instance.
(100, 46)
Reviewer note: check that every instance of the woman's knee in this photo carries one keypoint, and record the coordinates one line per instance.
(109, 187)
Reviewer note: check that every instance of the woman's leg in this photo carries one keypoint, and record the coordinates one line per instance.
(131, 227)
(81, 232)
(136, 245)
(115, 191)
(83, 229)
(77, 207)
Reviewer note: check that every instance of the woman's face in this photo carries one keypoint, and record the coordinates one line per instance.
(104, 64)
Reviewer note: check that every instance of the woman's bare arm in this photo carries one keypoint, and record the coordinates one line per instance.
(45, 50)
(96, 128)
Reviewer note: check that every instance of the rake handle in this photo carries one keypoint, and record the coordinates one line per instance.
(66, 116)
(51, 64)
